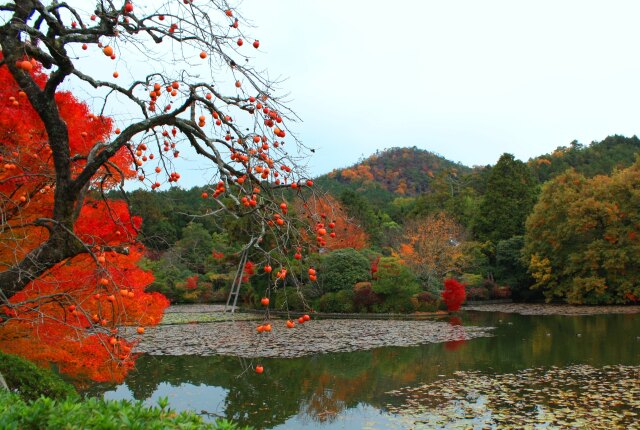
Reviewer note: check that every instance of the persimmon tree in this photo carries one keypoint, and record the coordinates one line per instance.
(195, 91)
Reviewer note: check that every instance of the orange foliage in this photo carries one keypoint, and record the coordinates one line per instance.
(432, 246)
(70, 315)
(192, 282)
(359, 172)
(26, 166)
(402, 187)
(327, 211)
(67, 316)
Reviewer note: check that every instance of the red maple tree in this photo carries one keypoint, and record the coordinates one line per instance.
(70, 314)
(454, 294)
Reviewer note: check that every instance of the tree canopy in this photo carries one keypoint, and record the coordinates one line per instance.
(582, 239)
(510, 195)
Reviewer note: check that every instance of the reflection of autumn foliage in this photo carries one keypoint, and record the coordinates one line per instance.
(431, 246)
(342, 232)
(454, 345)
(454, 294)
(70, 314)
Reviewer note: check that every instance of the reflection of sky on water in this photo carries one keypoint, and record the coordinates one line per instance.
(181, 397)
(352, 390)
(362, 416)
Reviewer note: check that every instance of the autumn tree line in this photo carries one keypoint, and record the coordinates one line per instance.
(560, 227)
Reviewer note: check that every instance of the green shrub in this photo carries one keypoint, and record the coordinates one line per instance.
(342, 269)
(220, 295)
(395, 304)
(394, 279)
(45, 413)
(30, 381)
(472, 280)
(341, 302)
(289, 298)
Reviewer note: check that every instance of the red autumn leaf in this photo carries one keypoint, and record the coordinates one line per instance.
(70, 315)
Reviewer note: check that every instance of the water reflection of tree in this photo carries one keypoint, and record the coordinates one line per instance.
(321, 386)
(453, 345)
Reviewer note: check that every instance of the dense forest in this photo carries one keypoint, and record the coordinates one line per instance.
(563, 226)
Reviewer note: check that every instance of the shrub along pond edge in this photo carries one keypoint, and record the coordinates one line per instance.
(39, 399)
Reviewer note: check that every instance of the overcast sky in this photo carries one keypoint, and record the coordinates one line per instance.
(466, 79)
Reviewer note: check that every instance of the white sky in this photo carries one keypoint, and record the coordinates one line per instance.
(466, 79)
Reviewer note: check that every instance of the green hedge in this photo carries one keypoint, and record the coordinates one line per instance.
(340, 302)
(94, 413)
(31, 381)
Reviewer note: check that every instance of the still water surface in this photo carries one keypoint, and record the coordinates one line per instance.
(351, 390)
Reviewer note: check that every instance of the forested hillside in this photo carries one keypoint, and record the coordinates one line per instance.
(415, 210)
(390, 173)
(598, 158)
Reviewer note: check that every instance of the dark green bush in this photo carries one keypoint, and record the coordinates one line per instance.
(30, 381)
(395, 304)
(289, 298)
(342, 269)
(341, 302)
(511, 270)
(93, 413)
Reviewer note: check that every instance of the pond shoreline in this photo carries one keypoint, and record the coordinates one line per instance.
(219, 309)
(553, 309)
(218, 313)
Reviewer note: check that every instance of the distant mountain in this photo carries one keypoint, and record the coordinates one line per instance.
(598, 158)
(391, 173)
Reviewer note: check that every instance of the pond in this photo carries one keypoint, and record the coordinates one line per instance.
(539, 371)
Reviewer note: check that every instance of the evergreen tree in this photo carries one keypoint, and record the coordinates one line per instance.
(511, 194)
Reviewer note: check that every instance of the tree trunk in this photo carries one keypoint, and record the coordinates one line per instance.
(58, 248)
